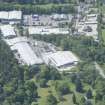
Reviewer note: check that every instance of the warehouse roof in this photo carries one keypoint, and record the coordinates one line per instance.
(47, 31)
(61, 58)
(13, 41)
(15, 15)
(4, 15)
(26, 53)
(7, 30)
(10, 15)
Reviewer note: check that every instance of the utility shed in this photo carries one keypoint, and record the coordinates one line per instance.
(8, 31)
(62, 60)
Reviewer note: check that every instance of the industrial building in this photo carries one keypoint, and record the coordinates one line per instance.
(8, 31)
(39, 52)
(91, 19)
(10, 17)
(88, 26)
(61, 60)
(28, 51)
(23, 51)
(47, 31)
(29, 20)
(59, 17)
(52, 20)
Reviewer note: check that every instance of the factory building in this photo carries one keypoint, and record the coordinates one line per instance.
(23, 51)
(8, 31)
(61, 60)
(47, 31)
(10, 17)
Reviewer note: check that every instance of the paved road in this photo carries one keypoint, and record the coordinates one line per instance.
(100, 70)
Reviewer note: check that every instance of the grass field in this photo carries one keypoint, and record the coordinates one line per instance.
(103, 35)
(43, 93)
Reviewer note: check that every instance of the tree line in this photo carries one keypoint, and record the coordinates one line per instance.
(39, 1)
(39, 9)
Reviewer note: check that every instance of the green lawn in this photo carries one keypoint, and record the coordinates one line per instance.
(43, 93)
(103, 9)
(68, 100)
(103, 67)
(103, 35)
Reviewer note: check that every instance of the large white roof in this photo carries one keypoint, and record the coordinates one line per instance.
(4, 15)
(92, 18)
(47, 31)
(7, 30)
(61, 58)
(15, 15)
(26, 53)
(10, 15)
(13, 41)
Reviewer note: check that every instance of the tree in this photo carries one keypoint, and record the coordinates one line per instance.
(103, 99)
(89, 94)
(82, 101)
(6, 102)
(43, 82)
(51, 100)
(88, 103)
(79, 87)
(31, 91)
(62, 88)
(74, 98)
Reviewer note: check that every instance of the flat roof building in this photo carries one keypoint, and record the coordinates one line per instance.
(62, 60)
(26, 54)
(3, 15)
(23, 51)
(12, 17)
(59, 17)
(88, 26)
(15, 15)
(47, 31)
(8, 31)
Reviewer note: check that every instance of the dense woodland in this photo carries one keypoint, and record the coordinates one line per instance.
(39, 9)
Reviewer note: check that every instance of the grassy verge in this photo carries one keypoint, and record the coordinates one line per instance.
(103, 35)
